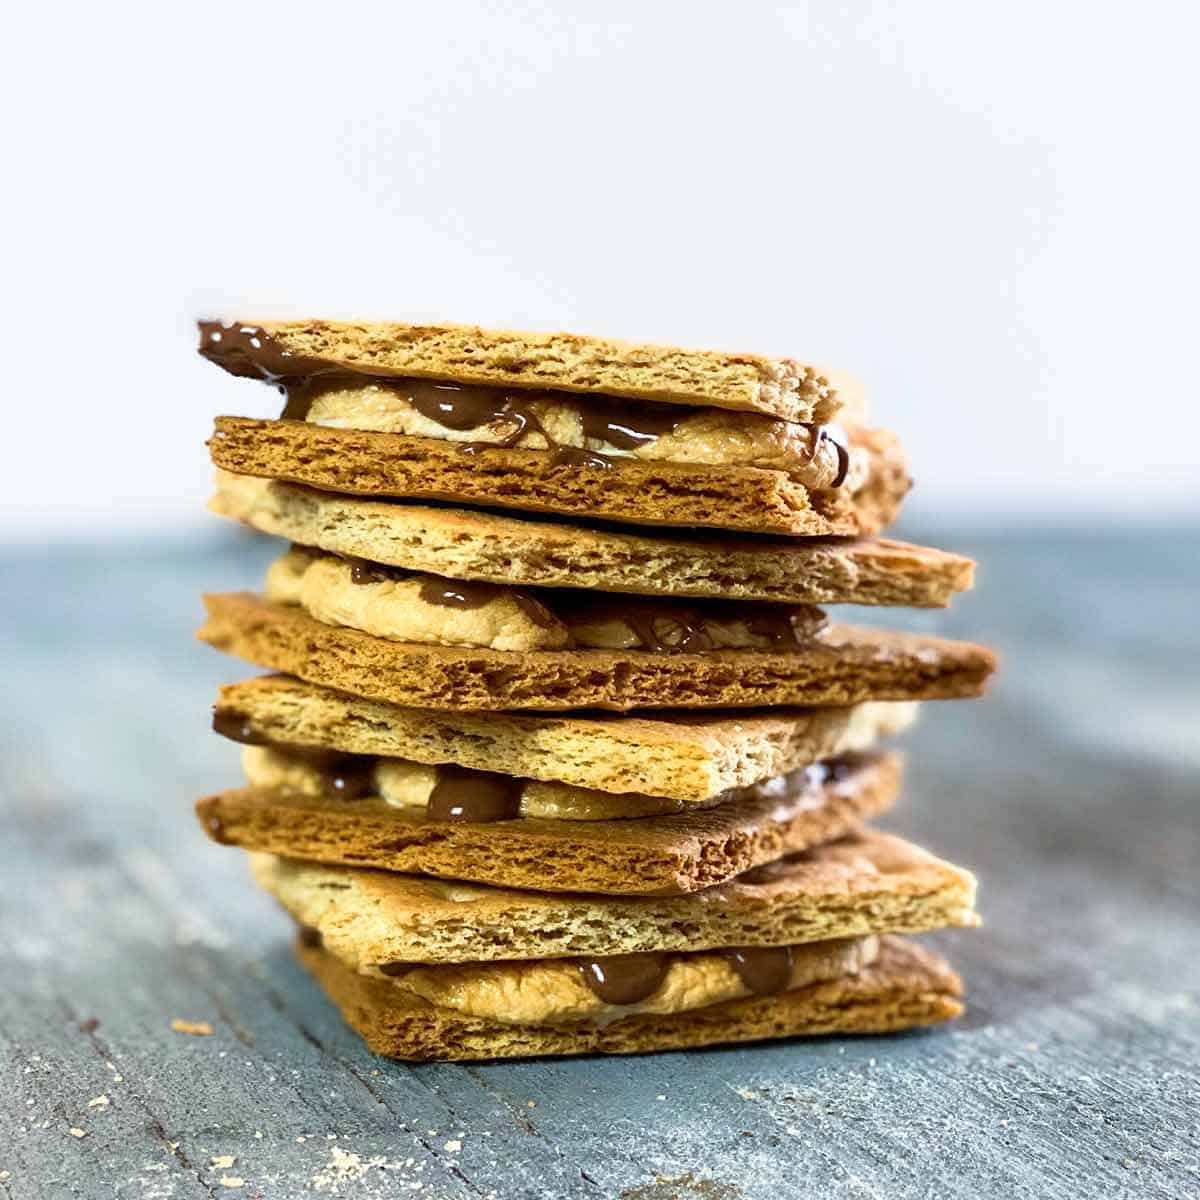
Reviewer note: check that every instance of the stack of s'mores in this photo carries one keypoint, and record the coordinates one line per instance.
(558, 753)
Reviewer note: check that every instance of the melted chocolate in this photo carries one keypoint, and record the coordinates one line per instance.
(663, 628)
(349, 778)
(461, 794)
(457, 593)
(453, 593)
(308, 936)
(625, 978)
(249, 351)
(765, 970)
(236, 727)
(362, 571)
(628, 426)
(396, 969)
(836, 437)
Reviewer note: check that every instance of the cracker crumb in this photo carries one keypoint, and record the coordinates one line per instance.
(98, 1102)
(232, 1181)
(222, 1162)
(196, 1028)
(90, 1025)
(452, 1147)
(258, 1134)
(5, 1176)
(76, 1132)
(531, 1104)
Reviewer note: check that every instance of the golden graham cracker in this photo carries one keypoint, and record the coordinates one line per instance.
(907, 986)
(861, 884)
(847, 665)
(684, 756)
(504, 548)
(570, 362)
(670, 854)
(634, 491)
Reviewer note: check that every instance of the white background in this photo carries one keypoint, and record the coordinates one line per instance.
(987, 211)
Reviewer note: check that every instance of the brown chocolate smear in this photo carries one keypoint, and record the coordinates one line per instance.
(572, 456)
(462, 407)
(461, 794)
(396, 969)
(362, 572)
(308, 936)
(236, 727)
(457, 593)
(836, 437)
(630, 425)
(536, 611)
(343, 776)
(625, 978)
(249, 351)
(664, 628)
(765, 970)
(350, 778)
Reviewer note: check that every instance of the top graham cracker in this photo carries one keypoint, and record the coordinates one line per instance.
(778, 387)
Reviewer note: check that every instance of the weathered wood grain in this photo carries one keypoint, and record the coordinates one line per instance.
(1074, 791)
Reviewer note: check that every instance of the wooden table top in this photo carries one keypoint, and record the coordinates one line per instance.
(1073, 791)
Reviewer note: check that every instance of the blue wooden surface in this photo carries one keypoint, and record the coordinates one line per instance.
(1073, 791)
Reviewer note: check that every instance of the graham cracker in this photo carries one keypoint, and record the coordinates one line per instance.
(846, 665)
(671, 854)
(684, 756)
(502, 548)
(906, 986)
(569, 362)
(864, 883)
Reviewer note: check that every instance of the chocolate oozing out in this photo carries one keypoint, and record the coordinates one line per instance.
(836, 437)
(236, 727)
(452, 593)
(249, 351)
(688, 628)
(461, 794)
(396, 969)
(764, 970)
(363, 572)
(510, 414)
(625, 978)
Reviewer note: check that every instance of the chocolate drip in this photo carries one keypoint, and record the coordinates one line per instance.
(249, 351)
(452, 593)
(348, 778)
(457, 593)
(765, 970)
(363, 572)
(665, 628)
(461, 794)
(396, 969)
(629, 426)
(836, 437)
(236, 727)
(572, 456)
(625, 978)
